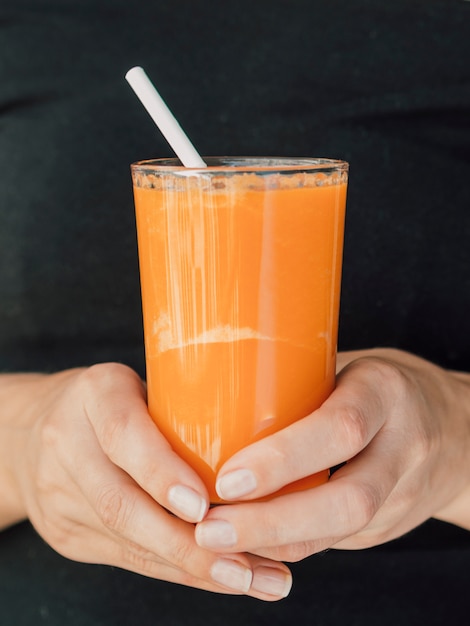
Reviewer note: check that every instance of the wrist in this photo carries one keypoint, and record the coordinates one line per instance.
(18, 393)
(457, 511)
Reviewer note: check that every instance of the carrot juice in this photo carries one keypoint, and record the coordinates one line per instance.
(240, 268)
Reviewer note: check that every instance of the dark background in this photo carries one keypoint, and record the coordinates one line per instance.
(385, 86)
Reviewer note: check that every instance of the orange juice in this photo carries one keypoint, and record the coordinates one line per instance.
(240, 272)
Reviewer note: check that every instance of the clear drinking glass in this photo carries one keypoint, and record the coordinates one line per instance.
(240, 268)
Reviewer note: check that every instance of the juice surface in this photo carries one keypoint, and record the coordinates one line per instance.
(240, 291)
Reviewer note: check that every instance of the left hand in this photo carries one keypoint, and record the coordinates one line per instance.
(402, 425)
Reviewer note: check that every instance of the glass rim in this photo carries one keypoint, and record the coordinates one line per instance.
(234, 164)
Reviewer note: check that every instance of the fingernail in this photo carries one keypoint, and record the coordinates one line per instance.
(231, 574)
(216, 534)
(236, 484)
(186, 502)
(272, 581)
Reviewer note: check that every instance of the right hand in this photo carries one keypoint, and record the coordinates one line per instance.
(101, 485)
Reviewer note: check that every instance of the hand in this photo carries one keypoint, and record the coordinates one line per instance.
(101, 485)
(403, 426)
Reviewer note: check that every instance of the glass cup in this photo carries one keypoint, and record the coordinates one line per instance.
(240, 266)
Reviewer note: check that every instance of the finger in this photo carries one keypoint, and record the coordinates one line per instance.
(292, 526)
(146, 538)
(117, 411)
(166, 549)
(130, 556)
(345, 357)
(397, 512)
(171, 541)
(338, 431)
(269, 582)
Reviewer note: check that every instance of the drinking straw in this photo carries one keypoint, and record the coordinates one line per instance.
(163, 118)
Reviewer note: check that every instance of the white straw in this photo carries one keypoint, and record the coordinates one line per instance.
(163, 118)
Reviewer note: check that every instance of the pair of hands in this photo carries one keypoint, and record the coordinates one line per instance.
(87, 465)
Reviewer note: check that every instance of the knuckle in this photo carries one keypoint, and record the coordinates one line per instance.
(179, 553)
(112, 434)
(360, 503)
(137, 556)
(103, 374)
(104, 393)
(51, 436)
(296, 552)
(45, 480)
(103, 379)
(385, 371)
(353, 424)
(277, 449)
(271, 532)
(114, 508)
(423, 447)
